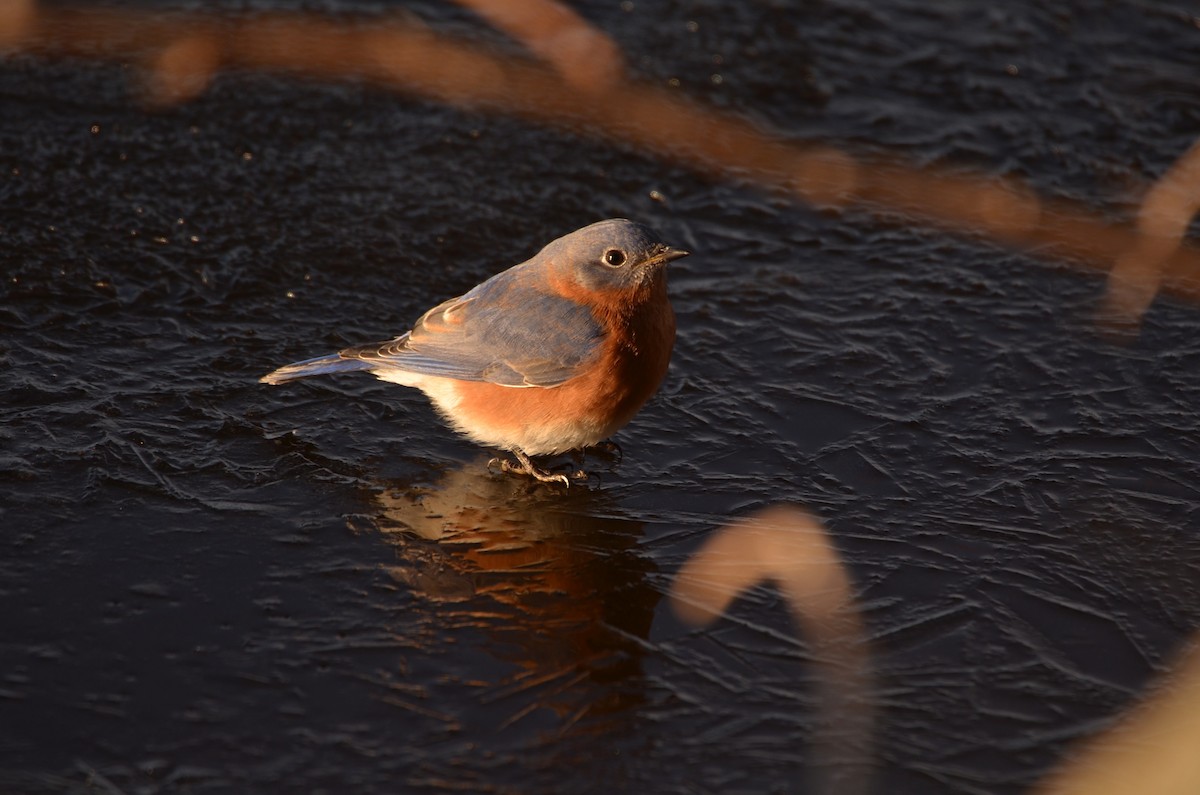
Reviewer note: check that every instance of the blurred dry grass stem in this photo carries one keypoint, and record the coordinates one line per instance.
(789, 547)
(1153, 750)
(579, 83)
(1162, 220)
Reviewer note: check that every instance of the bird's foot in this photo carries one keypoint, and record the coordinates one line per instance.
(536, 473)
(524, 466)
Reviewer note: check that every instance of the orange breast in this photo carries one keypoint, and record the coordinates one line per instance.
(586, 409)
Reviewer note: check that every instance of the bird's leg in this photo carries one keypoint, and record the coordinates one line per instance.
(526, 467)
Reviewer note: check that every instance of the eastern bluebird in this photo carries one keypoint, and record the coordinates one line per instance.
(551, 355)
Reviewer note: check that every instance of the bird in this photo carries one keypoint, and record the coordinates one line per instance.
(554, 354)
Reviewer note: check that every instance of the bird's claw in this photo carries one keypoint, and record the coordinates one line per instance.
(523, 466)
(611, 450)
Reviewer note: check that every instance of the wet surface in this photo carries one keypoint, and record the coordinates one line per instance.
(213, 585)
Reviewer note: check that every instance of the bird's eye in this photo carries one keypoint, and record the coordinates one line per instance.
(614, 258)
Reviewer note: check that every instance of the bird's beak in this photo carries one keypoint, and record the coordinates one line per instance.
(667, 254)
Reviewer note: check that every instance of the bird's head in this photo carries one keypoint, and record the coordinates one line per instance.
(613, 256)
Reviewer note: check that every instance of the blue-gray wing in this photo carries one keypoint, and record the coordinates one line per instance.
(509, 331)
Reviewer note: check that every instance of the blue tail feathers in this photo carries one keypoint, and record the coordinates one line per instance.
(321, 365)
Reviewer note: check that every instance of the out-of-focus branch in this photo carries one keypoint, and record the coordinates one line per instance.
(790, 548)
(1153, 751)
(184, 51)
(583, 55)
(1163, 219)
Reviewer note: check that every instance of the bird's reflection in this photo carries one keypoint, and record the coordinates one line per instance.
(552, 576)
